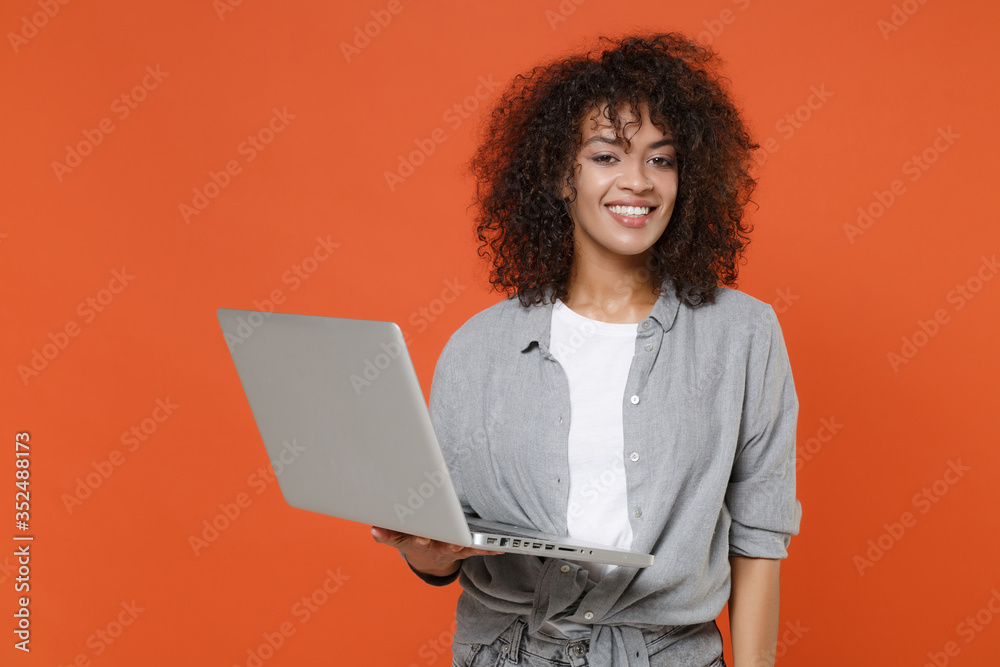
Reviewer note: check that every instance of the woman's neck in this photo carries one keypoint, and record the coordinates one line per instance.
(622, 300)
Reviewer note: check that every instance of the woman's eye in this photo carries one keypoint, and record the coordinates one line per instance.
(663, 162)
(603, 159)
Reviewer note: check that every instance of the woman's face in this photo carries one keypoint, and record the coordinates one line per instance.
(624, 198)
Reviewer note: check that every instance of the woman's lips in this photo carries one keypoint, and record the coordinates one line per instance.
(631, 221)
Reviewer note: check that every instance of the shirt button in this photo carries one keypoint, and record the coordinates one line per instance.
(635, 400)
(637, 512)
(648, 347)
(645, 324)
(564, 568)
(589, 615)
(634, 456)
(579, 650)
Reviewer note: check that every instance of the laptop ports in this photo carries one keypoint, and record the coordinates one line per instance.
(504, 541)
(491, 540)
(515, 543)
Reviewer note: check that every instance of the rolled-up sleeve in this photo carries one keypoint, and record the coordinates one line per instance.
(430, 578)
(760, 496)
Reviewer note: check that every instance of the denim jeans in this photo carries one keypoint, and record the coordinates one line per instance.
(675, 646)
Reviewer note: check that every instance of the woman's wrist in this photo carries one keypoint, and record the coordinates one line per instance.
(430, 570)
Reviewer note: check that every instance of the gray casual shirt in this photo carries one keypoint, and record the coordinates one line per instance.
(709, 414)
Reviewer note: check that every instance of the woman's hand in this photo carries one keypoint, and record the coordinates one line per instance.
(431, 557)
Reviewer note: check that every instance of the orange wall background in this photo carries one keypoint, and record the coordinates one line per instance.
(164, 159)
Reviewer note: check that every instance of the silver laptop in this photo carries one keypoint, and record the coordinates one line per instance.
(346, 427)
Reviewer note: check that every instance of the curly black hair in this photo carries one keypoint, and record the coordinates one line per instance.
(532, 137)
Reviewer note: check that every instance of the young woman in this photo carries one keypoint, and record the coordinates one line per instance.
(625, 396)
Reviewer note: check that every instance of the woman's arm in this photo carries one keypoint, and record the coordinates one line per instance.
(761, 496)
(753, 610)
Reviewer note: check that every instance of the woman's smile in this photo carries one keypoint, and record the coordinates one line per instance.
(630, 213)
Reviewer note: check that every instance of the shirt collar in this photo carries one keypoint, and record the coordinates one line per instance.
(537, 326)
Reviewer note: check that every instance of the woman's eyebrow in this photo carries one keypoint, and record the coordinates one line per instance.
(618, 142)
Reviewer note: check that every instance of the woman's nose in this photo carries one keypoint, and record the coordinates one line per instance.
(634, 175)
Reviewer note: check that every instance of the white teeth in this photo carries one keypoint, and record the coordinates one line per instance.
(632, 211)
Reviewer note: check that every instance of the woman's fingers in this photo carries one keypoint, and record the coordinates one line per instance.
(482, 552)
(404, 541)
(423, 545)
(386, 536)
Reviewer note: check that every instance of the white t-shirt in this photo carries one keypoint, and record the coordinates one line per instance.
(596, 357)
